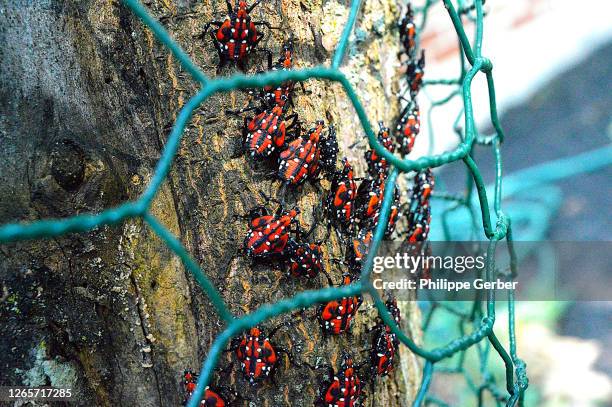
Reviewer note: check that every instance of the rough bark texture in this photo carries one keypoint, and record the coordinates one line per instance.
(87, 99)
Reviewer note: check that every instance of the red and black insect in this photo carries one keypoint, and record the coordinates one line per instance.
(281, 94)
(210, 399)
(419, 249)
(418, 220)
(344, 389)
(305, 259)
(268, 234)
(340, 201)
(329, 151)
(266, 132)
(414, 74)
(418, 215)
(384, 349)
(385, 343)
(424, 183)
(369, 199)
(377, 164)
(236, 36)
(300, 160)
(358, 249)
(407, 32)
(257, 355)
(394, 214)
(394, 310)
(336, 316)
(408, 127)
(368, 204)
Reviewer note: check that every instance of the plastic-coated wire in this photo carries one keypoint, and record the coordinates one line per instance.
(516, 379)
(427, 375)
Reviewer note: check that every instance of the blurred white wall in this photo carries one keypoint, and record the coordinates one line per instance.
(529, 42)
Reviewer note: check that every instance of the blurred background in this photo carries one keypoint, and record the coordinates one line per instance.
(553, 74)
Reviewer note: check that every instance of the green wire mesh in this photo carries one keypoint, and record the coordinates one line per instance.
(483, 322)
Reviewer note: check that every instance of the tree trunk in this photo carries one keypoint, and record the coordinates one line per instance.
(88, 97)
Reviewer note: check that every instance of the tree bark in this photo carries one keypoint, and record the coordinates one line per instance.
(88, 97)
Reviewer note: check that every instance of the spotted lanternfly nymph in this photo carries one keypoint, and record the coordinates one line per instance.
(394, 214)
(336, 315)
(236, 36)
(358, 249)
(256, 355)
(369, 199)
(384, 349)
(376, 163)
(344, 389)
(408, 127)
(418, 220)
(266, 132)
(407, 31)
(268, 234)
(419, 249)
(385, 343)
(329, 151)
(305, 259)
(281, 94)
(424, 183)
(394, 310)
(211, 399)
(414, 74)
(300, 160)
(339, 203)
(418, 215)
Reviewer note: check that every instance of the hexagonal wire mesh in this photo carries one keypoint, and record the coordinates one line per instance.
(516, 379)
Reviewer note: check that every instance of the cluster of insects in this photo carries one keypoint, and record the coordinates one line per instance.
(408, 124)
(273, 136)
(417, 210)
